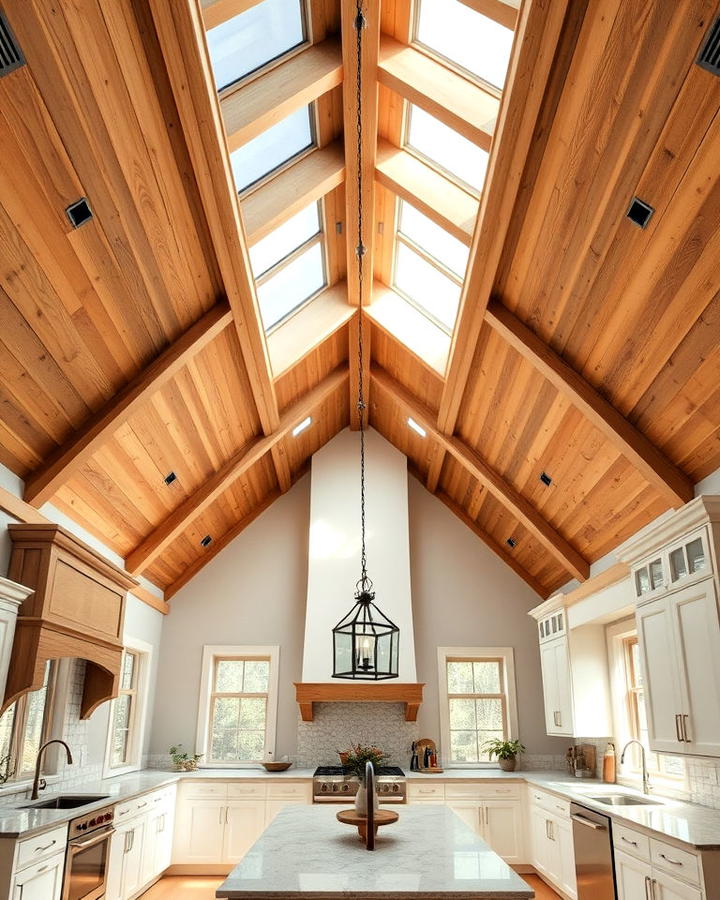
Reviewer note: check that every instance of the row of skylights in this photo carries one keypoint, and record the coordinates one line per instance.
(467, 39)
(254, 38)
(429, 266)
(289, 266)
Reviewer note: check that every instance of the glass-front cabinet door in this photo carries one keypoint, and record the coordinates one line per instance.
(651, 577)
(689, 558)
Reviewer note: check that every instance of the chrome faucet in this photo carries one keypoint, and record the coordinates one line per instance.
(39, 783)
(645, 775)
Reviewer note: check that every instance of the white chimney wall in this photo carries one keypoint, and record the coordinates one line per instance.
(334, 563)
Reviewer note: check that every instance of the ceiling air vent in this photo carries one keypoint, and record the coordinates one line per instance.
(11, 56)
(710, 54)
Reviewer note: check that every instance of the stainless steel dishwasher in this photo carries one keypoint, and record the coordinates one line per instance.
(594, 867)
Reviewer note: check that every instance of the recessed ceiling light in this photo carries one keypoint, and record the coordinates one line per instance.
(417, 428)
(546, 479)
(511, 542)
(79, 212)
(206, 541)
(640, 212)
(170, 477)
(306, 423)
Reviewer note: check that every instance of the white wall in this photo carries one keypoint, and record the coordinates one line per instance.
(252, 592)
(465, 596)
(334, 560)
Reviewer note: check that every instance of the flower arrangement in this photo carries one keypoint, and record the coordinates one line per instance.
(182, 761)
(358, 755)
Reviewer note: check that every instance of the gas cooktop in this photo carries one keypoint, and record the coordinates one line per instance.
(324, 771)
(335, 784)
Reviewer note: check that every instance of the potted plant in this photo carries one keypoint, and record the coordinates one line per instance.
(182, 761)
(357, 758)
(506, 752)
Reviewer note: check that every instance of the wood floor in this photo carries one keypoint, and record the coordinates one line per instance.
(185, 887)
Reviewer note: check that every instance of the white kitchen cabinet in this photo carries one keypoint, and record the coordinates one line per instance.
(244, 823)
(555, 663)
(679, 639)
(632, 877)
(157, 847)
(551, 840)
(273, 807)
(664, 887)
(469, 812)
(503, 828)
(568, 879)
(199, 831)
(545, 846)
(133, 837)
(43, 881)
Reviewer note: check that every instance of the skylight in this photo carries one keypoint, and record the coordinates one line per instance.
(446, 149)
(254, 38)
(272, 149)
(433, 239)
(285, 239)
(466, 38)
(295, 283)
(426, 286)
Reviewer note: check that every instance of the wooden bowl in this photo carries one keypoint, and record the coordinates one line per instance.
(276, 766)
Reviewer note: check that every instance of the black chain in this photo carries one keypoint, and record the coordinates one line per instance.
(360, 23)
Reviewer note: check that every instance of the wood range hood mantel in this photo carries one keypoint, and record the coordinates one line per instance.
(307, 693)
(76, 609)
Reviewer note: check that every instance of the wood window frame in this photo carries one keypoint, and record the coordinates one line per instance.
(212, 653)
(506, 657)
(142, 651)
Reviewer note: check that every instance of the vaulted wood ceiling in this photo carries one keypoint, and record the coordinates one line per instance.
(585, 347)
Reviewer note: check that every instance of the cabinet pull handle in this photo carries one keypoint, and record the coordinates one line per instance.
(227, 813)
(628, 841)
(487, 816)
(673, 862)
(648, 888)
(220, 819)
(43, 868)
(678, 727)
(45, 847)
(685, 728)
(142, 805)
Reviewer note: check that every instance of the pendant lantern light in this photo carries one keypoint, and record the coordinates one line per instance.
(365, 641)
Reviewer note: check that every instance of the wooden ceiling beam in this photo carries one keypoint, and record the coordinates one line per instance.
(58, 468)
(536, 38)
(301, 184)
(180, 30)
(367, 79)
(256, 106)
(505, 12)
(215, 12)
(653, 465)
(438, 197)
(154, 544)
(459, 103)
(502, 490)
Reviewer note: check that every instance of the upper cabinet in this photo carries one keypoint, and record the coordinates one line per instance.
(675, 578)
(75, 609)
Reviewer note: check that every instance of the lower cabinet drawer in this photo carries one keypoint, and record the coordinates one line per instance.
(204, 790)
(425, 791)
(242, 790)
(630, 841)
(290, 791)
(675, 861)
(40, 846)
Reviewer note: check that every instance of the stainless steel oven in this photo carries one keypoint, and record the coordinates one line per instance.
(88, 854)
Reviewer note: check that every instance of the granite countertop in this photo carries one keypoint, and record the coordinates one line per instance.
(429, 853)
(16, 822)
(687, 823)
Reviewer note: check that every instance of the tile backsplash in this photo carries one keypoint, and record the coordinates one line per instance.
(337, 725)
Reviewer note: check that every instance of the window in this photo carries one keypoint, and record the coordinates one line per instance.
(429, 266)
(128, 711)
(238, 705)
(472, 42)
(445, 149)
(478, 690)
(254, 38)
(24, 727)
(289, 266)
(628, 701)
(272, 149)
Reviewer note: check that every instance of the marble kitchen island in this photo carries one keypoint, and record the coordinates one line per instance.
(429, 853)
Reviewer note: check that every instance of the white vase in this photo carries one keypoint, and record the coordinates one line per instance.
(361, 800)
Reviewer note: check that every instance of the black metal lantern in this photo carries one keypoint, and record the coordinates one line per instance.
(365, 641)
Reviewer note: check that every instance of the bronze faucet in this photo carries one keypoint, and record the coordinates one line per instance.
(37, 786)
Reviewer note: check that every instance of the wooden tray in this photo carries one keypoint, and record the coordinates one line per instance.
(433, 770)
(382, 817)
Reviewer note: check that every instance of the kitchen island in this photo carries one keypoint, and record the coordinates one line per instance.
(429, 853)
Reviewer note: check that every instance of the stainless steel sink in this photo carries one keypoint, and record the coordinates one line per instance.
(625, 800)
(66, 801)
